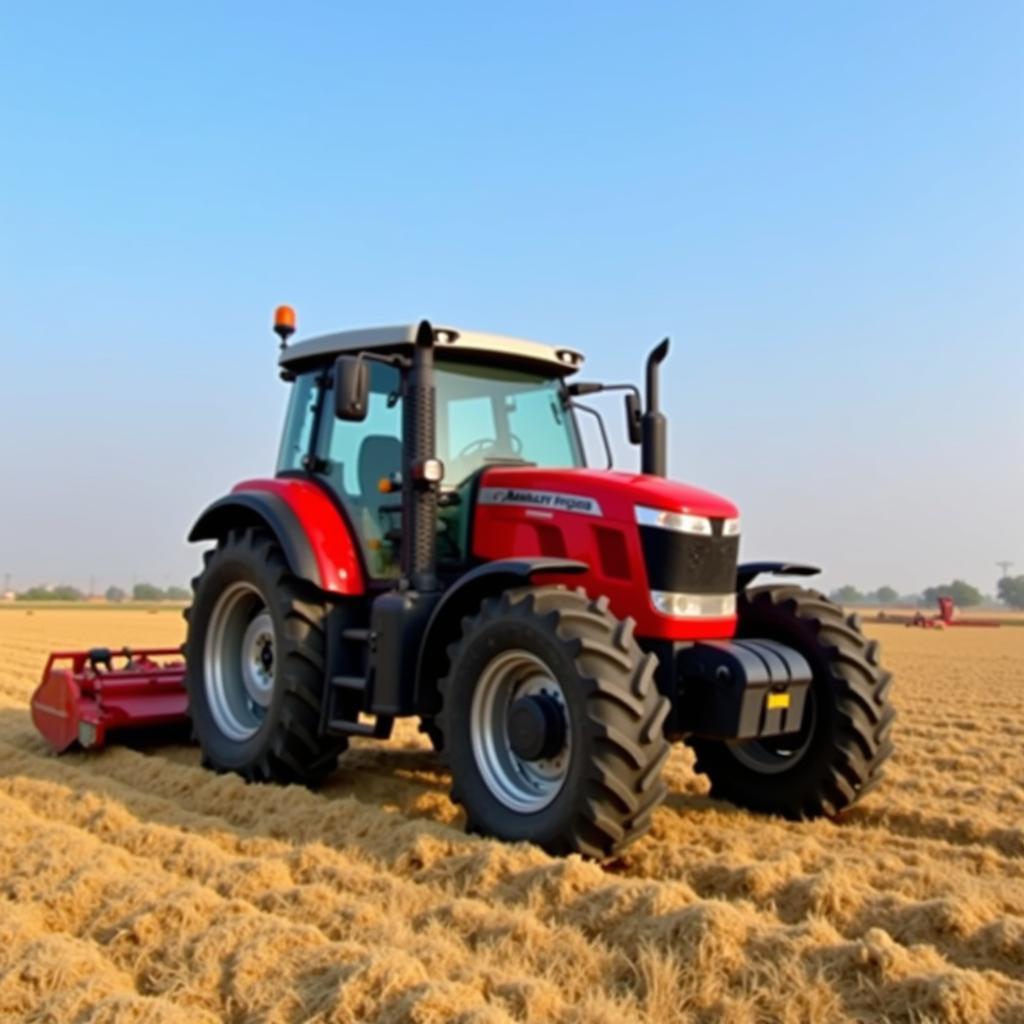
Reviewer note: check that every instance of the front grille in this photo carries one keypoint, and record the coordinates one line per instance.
(684, 563)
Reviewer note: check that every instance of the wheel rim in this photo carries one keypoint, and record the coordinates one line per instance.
(779, 754)
(238, 661)
(522, 785)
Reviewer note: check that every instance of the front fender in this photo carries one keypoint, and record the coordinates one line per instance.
(749, 571)
(462, 599)
(316, 540)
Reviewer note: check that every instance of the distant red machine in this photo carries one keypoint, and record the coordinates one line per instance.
(86, 694)
(946, 617)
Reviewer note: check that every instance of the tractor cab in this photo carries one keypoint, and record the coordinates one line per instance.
(498, 401)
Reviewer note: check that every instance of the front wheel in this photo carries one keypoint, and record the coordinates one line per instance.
(839, 752)
(552, 725)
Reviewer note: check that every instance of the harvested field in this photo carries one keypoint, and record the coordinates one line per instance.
(136, 886)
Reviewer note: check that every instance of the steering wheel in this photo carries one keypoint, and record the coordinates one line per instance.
(482, 444)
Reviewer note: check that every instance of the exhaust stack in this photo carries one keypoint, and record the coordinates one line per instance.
(653, 451)
(423, 473)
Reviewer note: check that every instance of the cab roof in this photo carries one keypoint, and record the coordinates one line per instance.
(451, 342)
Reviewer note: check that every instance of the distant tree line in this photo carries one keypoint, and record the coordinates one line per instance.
(148, 592)
(964, 594)
(886, 595)
(1011, 591)
(59, 593)
(140, 592)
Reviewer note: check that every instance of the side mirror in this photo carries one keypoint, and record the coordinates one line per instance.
(633, 426)
(351, 388)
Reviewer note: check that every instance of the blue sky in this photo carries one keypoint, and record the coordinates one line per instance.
(823, 205)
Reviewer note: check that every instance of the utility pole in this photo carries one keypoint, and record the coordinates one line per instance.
(1004, 571)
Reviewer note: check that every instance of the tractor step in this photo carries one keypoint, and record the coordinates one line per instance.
(358, 635)
(350, 687)
(355, 683)
(381, 729)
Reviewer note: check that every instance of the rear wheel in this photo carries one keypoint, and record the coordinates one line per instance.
(845, 737)
(255, 657)
(551, 723)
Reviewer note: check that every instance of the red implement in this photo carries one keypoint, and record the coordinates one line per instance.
(85, 694)
(948, 617)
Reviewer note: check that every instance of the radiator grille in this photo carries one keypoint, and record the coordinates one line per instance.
(683, 563)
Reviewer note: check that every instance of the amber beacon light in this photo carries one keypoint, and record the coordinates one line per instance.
(284, 323)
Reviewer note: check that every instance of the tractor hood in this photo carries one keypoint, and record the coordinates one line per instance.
(607, 494)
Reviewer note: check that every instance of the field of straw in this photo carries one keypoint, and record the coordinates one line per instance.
(136, 886)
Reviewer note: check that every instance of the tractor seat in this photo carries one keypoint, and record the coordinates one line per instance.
(379, 456)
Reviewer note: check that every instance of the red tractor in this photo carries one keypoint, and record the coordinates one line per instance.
(433, 545)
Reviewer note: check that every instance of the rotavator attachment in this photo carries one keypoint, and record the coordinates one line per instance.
(85, 694)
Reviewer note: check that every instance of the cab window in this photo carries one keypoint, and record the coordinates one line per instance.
(298, 422)
(357, 457)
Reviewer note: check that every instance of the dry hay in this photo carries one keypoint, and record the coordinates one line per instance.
(136, 886)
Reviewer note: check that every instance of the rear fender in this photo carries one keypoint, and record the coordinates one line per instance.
(315, 539)
(464, 598)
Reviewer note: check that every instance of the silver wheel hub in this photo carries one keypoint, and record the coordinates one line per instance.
(258, 659)
(522, 783)
(239, 661)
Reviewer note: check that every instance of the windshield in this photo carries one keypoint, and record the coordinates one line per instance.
(486, 416)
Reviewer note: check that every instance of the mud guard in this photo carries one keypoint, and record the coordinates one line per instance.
(316, 541)
(462, 599)
(749, 571)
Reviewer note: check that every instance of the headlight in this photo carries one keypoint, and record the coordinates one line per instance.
(694, 606)
(681, 522)
(730, 527)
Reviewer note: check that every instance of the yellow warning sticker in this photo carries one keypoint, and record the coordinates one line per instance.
(778, 701)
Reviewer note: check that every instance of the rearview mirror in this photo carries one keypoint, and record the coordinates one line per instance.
(351, 388)
(633, 425)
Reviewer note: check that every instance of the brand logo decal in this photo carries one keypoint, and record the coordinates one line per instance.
(550, 500)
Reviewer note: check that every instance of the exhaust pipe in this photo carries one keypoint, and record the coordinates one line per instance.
(422, 478)
(653, 451)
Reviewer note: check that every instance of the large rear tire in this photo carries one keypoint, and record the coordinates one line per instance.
(552, 724)
(845, 739)
(255, 665)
